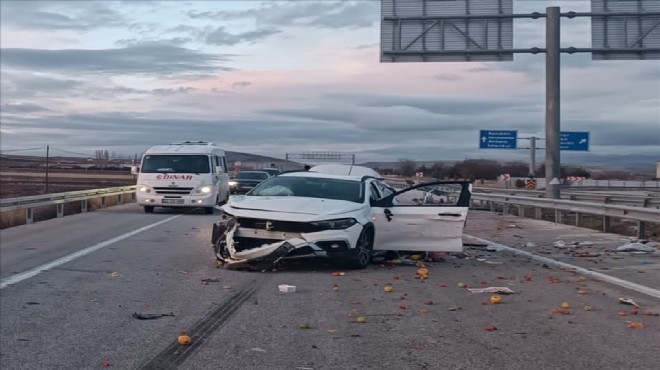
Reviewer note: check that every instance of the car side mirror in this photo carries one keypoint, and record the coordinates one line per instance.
(135, 170)
(218, 169)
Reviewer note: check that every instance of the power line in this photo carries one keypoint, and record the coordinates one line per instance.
(70, 152)
(21, 150)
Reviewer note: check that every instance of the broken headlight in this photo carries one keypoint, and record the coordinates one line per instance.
(340, 223)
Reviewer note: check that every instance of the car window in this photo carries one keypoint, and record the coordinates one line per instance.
(374, 194)
(311, 187)
(434, 195)
(175, 163)
(383, 189)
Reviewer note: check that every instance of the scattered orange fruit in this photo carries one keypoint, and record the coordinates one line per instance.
(304, 325)
(622, 313)
(582, 291)
(388, 288)
(587, 308)
(636, 325)
(335, 287)
(184, 339)
(423, 311)
(565, 305)
(361, 319)
(495, 299)
(462, 285)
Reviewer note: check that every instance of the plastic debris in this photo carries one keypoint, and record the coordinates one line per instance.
(638, 247)
(287, 288)
(494, 248)
(586, 244)
(151, 316)
(492, 290)
(628, 301)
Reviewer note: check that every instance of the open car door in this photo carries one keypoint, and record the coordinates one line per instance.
(425, 217)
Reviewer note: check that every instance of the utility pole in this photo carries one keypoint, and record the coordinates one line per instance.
(532, 156)
(552, 99)
(47, 158)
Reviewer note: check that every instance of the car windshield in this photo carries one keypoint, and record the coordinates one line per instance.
(175, 163)
(311, 187)
(252, 175)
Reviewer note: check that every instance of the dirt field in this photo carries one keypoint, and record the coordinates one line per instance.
(20, 183)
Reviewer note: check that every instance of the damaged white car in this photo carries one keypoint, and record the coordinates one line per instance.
(341, 217)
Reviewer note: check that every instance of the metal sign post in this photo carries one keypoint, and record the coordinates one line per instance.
(552, 100)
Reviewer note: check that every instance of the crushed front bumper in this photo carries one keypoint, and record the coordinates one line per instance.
(282, 246)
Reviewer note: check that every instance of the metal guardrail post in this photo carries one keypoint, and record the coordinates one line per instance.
(102, 201)
(521, 211)
(505, 208)
(557, 216)
(607, 224)
(578, 219)
(538, 213)
(83, 206)
(641, 230)
(60, 210)
(29, 216)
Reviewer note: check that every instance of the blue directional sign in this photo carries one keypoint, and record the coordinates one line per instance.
(498, 139)
(574, 140)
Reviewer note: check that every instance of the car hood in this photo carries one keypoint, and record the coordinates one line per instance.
(291, 205)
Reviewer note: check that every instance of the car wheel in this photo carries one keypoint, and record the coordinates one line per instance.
(363, 250)
(148, 209)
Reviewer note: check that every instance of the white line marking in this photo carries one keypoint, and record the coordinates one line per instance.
(610, 279)
(62, 260)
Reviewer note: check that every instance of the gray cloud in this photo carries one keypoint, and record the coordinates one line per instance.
(336, 14)
(23, 85)
(151, 59)
(49, 15)
(175, 41)
(221, 37)
(22, 108)
(240, 85)
(179, 90)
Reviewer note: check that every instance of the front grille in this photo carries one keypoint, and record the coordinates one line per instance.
(241, 243)
(281, 226)
(174, 191)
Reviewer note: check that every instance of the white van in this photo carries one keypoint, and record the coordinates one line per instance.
(184, 174)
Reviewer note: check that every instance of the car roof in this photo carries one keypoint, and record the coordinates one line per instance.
(344, 169)
(312, 174)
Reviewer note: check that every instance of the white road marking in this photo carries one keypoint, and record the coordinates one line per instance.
(607, 278)
(68, 258)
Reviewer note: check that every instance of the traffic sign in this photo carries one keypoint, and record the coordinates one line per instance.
(498, 139)
(574, 140)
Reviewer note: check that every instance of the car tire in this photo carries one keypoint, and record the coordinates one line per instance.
(361, 256)
(148, 209)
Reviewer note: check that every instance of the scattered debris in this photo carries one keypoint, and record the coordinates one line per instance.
(184, 339)
(585, 254)
(462, 285)
(586, 244)
(635, 325)
(113, 274)
(495, 289)
(530, 245)
(257, 349)
(304, 325)
(182, 272)
(151, 316)
(494, 248)
(493, 262)
(338, 273)
(388, 288)
(335, 287)
(512, 226)
(565, 305)
(587, 308)
(361, 320)
(438, 256)
(105, 363)
(628, 301)
(495, 299)
(560, 311)
(453, 309)
(638, 247)
(287, 288)
(490, 328)
(207, 281)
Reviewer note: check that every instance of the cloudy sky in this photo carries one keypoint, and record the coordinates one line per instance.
(276, 77)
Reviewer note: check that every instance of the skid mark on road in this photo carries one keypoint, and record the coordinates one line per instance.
(174, 354)
(68, 258)
(607, 278)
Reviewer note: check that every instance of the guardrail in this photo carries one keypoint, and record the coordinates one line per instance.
(649, 200)
(59, 199)
(607, 211)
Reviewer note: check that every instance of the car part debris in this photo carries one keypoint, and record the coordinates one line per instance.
(638, 247)
(495, 289)
(287, 288)
(494, 248)
(628, 301)
(151, 316)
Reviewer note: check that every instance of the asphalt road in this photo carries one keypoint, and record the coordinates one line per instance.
(78, 314)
